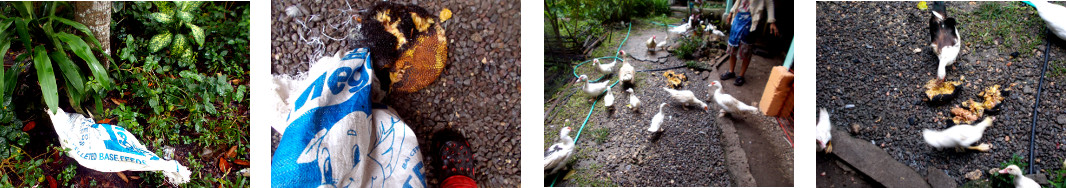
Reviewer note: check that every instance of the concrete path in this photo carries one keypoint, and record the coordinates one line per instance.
(875, 162)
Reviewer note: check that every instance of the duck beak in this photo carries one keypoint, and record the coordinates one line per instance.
(1004, 171)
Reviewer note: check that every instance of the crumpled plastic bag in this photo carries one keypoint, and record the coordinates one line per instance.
(331, 134)
(110, 148)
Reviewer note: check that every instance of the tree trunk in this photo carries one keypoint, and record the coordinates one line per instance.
(97, 16)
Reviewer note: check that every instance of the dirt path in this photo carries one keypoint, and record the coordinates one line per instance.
(689, 151)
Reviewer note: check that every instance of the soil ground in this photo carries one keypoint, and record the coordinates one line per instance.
(876, 56)
(615, 148)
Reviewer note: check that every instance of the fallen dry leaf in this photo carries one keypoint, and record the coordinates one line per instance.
(240, 162)
(123, 176)
(223, 165)
(232, 152)
(118, 101)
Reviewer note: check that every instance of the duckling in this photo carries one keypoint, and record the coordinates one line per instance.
(686, 97)
(634, 102)
(657, 120)
(959, 136)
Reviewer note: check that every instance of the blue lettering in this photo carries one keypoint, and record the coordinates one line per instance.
(315, 90)
(418, 172)
(339, 79)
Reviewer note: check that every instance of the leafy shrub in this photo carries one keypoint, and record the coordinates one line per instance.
(607, 11)
(174, 17)
(687, 46)
(46, 39)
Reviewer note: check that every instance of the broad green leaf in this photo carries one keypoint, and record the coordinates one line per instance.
(25, 8)
(184, 16)
(159, 41)
(4, 24)
(81, 49)
(46, 77)
(5, 44)
(179, 44)
(210, 108)
(191, 5)
(161, 17)
(15, 68)
(71, 73)
(197, 34)
(23, 29)
(74, 96)
(79, 27)
(191, 75)
(164, 6)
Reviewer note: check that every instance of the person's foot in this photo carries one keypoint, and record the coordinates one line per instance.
(727, 75)
(739, 81)
(455, 155)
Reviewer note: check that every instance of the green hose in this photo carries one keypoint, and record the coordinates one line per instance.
(579, 130)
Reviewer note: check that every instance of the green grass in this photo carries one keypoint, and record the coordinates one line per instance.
(1058, 68)
(1008, 27)
(600, 135)
(587, 177)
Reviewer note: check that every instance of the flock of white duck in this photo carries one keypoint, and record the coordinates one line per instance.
(556, 155)
(946, 43)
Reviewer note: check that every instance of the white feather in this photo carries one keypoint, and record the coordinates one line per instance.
(657, 120)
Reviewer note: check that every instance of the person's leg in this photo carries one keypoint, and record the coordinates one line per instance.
(745, 56)
(743, 41)
(731, 52)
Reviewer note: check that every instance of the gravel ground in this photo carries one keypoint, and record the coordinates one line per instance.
(615, 148)
(477, 94)
(866, 57)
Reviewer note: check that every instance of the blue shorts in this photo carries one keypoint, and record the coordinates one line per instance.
(740, 29)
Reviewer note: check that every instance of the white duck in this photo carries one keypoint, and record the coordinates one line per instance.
(627, 72)
(634, 102)
(681, 29)
(1054, 15)
(959, 136)
(1020, 181)
(728, 103)
(608, 100)
(593, 89)
(713, 29)
(686, 97)
(662, 45)
(605, 68)
(946, 41)
(657, 120)
(824, 131)
(556, 155)
(651, 43)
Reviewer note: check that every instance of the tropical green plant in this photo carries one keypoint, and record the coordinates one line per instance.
(176, 16)
(44, 37)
